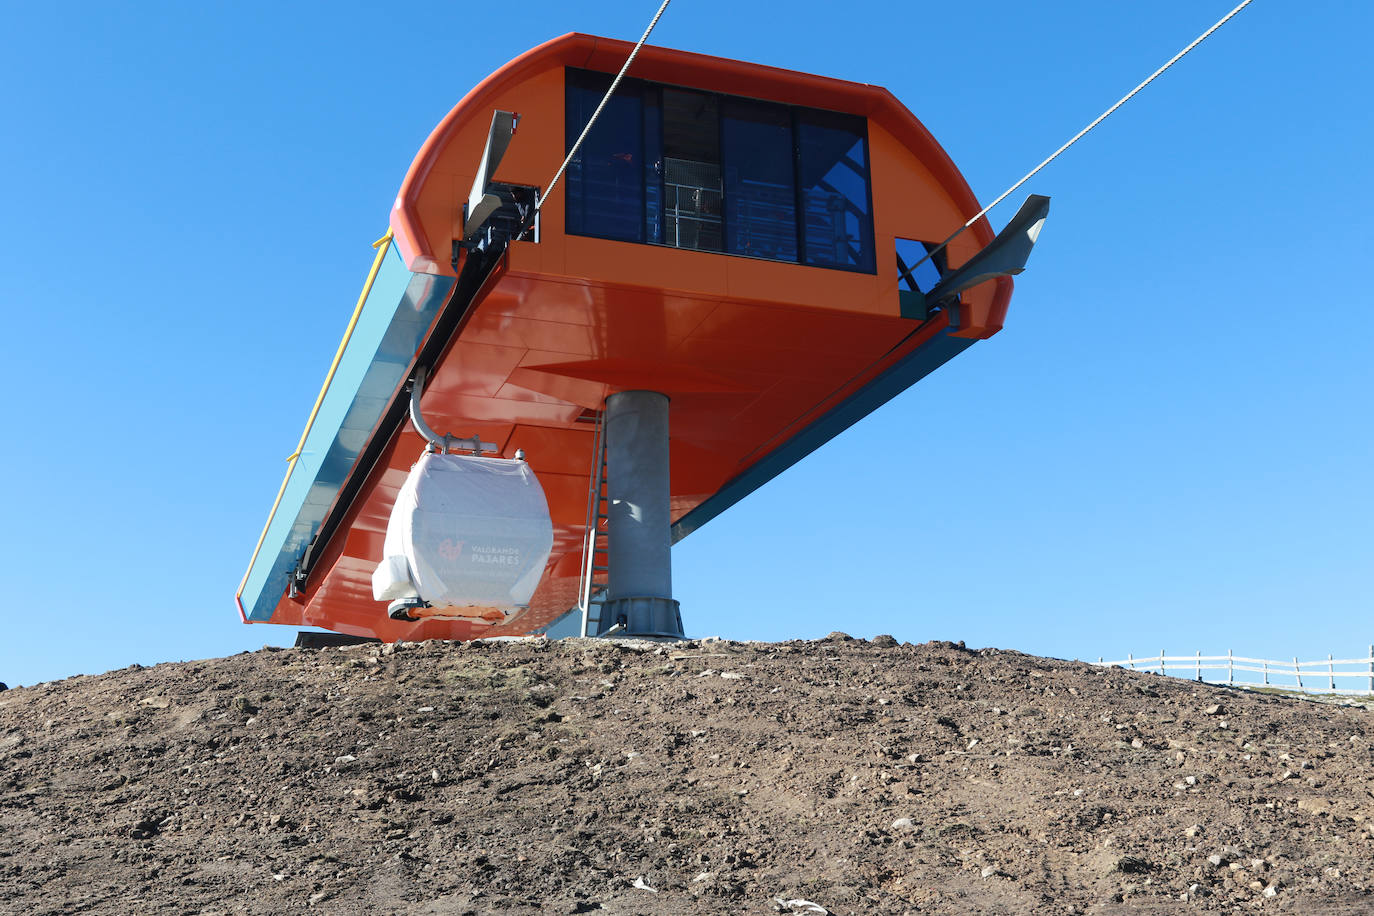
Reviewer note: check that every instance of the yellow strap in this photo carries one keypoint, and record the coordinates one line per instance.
(382, 245)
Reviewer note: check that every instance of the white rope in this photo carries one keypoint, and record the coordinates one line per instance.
(1082, 133)
(604, 99)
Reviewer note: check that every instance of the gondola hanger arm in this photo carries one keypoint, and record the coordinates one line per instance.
(437, 443)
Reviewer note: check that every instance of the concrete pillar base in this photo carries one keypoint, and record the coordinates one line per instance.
(658, 618)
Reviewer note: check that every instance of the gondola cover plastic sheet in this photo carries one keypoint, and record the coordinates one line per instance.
(465, 532)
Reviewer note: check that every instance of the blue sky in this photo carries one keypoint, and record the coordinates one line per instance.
(1168, 446)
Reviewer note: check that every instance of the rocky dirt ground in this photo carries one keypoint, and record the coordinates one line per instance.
(583, 776)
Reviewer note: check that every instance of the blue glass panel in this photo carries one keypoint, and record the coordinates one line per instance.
(760, 180)
(606, 178)
(837, 221)
(691, 170)
(399, 309)
(912, 264)
(653, 165)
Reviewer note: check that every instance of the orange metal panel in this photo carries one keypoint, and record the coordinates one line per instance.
(505, 329)
(486, 367)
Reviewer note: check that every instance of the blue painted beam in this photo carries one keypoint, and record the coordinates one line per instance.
(910, 370)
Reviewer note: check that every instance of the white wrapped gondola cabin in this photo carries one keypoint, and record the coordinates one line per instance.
(468, 533)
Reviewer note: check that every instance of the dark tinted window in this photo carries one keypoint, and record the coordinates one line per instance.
(915, 269)
(606, 179)
(653, 165)
(693, 169)
(760, 180)
(837, 224)
(917, 274)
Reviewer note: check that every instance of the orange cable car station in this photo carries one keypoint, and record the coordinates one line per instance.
(543, 388)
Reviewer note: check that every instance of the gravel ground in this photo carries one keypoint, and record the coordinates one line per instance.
(585, 776)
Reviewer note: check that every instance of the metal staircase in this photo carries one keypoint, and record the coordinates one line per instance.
(591, 595)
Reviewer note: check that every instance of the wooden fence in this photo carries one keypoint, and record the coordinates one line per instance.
(1318, 676)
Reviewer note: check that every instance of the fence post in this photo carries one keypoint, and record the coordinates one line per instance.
(1371, 669)
(1199, 665)
(1161, 661)
(1099, 658)
(1265, 663)
(1298, 671)
(1330, 671)
(1130, 660)
(1231, 668)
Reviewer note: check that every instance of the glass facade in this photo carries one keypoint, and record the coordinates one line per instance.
(690, 169)
(760, 180)
(606, 181)
(832, 160)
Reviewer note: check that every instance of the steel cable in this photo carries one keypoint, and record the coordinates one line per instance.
(604, 99)
(1082, 133)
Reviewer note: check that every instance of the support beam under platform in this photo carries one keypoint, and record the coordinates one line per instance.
(639, 543)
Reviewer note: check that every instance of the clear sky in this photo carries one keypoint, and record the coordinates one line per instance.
(1169, 446)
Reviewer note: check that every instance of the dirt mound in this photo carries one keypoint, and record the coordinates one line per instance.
(706, 777)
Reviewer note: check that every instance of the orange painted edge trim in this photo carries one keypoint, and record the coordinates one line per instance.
(703, 72)
(411, 241)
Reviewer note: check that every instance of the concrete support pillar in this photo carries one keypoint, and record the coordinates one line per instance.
(639, 583)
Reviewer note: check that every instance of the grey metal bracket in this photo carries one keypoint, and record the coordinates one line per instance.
(481, 203)
(445, 443)
(1004, 256)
